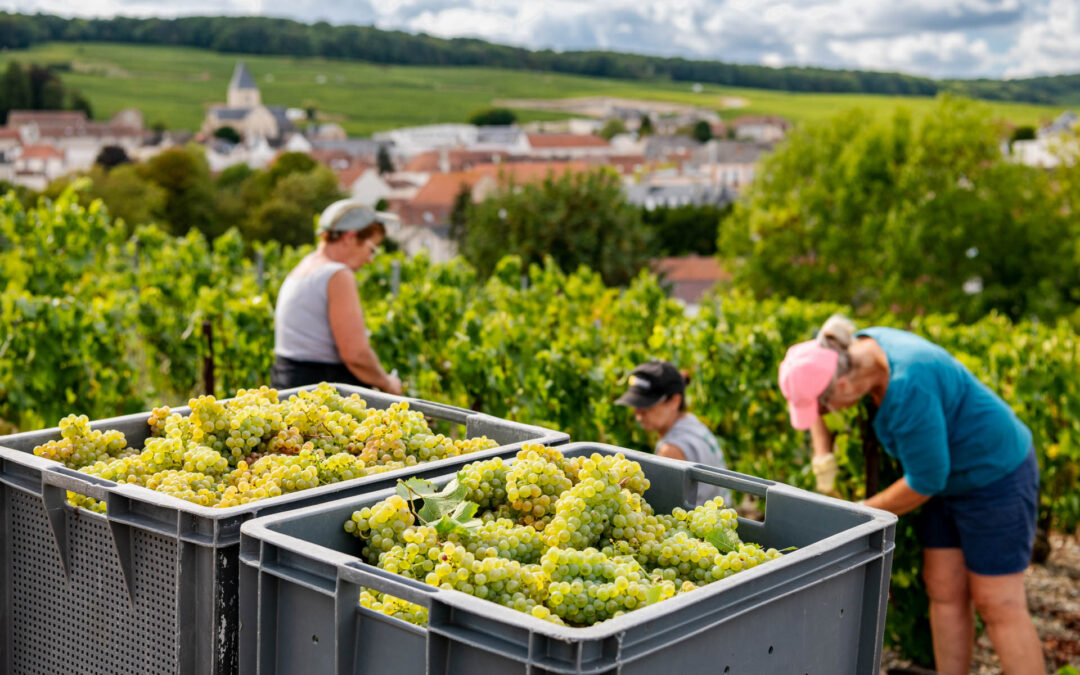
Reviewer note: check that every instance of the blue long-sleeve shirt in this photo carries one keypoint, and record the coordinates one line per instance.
(948, 430)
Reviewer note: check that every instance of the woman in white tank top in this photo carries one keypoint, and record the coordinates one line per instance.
(319, 330)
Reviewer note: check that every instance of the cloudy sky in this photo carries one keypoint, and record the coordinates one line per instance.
(939, 38)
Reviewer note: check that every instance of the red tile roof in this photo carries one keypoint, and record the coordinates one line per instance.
(691, 268)
(458, 160)
(40, 152)
(9, 132)
(566, 141)
(346, 177)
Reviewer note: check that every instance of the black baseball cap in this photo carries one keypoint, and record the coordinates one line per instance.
(651, 383)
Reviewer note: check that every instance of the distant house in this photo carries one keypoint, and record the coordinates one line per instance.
(692, 192)
(244, 111)
(731, 164)
(365, 184)
(78, 138)
(670, 148)
(1055, 143)
(36, 165)
(690, 277)
(567, 146)
(764, 128)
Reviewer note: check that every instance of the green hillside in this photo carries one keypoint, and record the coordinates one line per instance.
(173, 85)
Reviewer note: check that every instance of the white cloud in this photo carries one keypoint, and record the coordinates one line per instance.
(930, 37)
(1049, 45)
(937, 54)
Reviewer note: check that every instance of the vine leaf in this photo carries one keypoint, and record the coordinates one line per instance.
(445, 507)
(723, 539)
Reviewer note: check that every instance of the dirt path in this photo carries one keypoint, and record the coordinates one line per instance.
(1053, 592)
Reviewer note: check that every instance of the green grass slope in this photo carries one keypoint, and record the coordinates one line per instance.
(173, 86)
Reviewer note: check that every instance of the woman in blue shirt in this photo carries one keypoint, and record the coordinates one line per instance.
(968, 462)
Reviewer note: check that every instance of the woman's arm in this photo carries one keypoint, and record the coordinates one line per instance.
(350, 333)
(820, 438)
(670, 450)
(898, 498)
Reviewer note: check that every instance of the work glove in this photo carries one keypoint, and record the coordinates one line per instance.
(825, 468)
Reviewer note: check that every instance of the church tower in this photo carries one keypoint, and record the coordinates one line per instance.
(243, 93)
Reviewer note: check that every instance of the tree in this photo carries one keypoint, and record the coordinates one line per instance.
(382, 159)
(702, 131)
(612, 128)
(646, 127)
(288, 216)
(14, 90)
(189, 198)
(492, 117)
(459, 212)
(112, 156)
(228, 134)
(684, 230)
(1024, 132)
(905, 216)
(577, 219)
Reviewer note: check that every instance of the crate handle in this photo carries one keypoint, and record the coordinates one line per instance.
(441, 410)
(380, 580)
(55, 484)
(729, 479)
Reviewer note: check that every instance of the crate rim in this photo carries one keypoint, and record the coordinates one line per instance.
(161, 499)
(260, 529)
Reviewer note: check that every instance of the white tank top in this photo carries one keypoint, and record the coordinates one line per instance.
(302, 318)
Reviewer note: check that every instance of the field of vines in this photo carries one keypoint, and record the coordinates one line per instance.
(94, 322)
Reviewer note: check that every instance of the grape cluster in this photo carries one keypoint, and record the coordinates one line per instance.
(556, 572)
(255, 446)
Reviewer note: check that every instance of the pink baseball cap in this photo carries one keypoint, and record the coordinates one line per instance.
(805, 373)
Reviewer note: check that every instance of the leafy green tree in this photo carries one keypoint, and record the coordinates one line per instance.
(612, 128)
(296, 198)
(577, 219)
(492, 117)
(684, 230)
(383, 161)
(14, 90)
(646, 127)
(459, 212)
(184, 176)
(1025, 132)
(702, 131)
(228, 134)
(128, 195)
(112, 156)
(908, 216)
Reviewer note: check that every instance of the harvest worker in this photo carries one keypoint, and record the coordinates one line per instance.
(967, 460)
(657, 393)
(319, 331)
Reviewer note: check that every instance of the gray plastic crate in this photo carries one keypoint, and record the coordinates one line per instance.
(819, 609)
(151, 586)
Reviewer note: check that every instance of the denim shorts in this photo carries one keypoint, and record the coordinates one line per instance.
(993, 525)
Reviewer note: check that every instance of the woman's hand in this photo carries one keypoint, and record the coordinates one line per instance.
(392, 385)
(825, 468)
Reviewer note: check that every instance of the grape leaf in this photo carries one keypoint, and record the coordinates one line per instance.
(459, 520)
(653, 594)
(437, 503)
(723, 539)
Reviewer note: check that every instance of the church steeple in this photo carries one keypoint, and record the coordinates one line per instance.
(243, 93)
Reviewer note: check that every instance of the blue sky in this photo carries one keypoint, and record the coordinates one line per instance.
(939, 38)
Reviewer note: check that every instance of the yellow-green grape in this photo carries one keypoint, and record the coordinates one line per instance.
(588, 586)
(680, 557)
(192, 487)
(429, 448)
(505, 539)
(201, 459)
(128, 469)
(339, 467)
(79, 445)
(380, 525)
(486, 482)
(710, 516)
(464, 446)
(395, 607)
(747, 556)
(534, 481)
(157, 420)
(209, 422)
(162, 454)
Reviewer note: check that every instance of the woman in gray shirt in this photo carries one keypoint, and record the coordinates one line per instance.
(657, 394)
(319, 329)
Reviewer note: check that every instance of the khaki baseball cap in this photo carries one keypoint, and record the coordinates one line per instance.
(352, 214)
